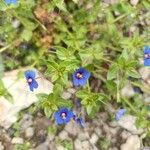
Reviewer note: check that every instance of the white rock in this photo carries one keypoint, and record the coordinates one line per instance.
(78, 144)
(26, 121)
(83, 136)
(114, 148)
(86, 145)
(132, 143)
(114, 131)
(1, 146)
(22, 96)
(71, 90)
(94, 138)
(42, 146)
(147, 100)
(113, 124)
(110, 1)
(128, 122)
(16, 23)
(52, 145)
(17, 140)
(98, 131)
(63, 135)
(60, 147)
(29, 132)
(134, 2)
(146, 148)
(50, 137)
(125, 134)
(144, 72)
(94, 148)
(72, 128)
(66, 95)
(127, 91)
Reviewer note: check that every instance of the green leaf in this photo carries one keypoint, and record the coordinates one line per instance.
(61, 5)
(133, 73)
(64, 103)
(26, 35)
(64, 54)
(58, 89)
(82, 94)
(89, 109)
(42, 96)
(29, 25)
(47, 112)
(112, 72)
(4, 92)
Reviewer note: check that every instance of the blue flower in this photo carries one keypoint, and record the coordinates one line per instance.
(80, 122)
(11, 1)
(146, 55)
(80, 77)
(63, 116)
(120, 113)
(30, 77)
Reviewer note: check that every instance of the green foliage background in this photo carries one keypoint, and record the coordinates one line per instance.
(57, 37)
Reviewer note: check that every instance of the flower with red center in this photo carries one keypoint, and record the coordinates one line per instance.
(31, 80)
(63, 116)
(80, 77)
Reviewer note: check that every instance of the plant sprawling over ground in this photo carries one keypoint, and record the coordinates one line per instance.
(93, 47)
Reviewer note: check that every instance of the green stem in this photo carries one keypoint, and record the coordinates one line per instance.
(5, 48)
(118, 83)
(88, 86)
(120, 17)
(130, 105)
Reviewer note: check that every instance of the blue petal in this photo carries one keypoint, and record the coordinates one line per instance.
(147, 49)
(10, 1)
(82, 82)
(31, 87)
(70, 115)
(75, 81)
(14, 1)
(7, 1)
(30, 74)
(147, 62)
(120, 113)
(34, 84)
(80, 122)
(58, 118)
(86, 74)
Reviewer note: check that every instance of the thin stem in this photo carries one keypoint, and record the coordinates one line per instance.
(88, 86)
(5, 48)
(120, 17)
(130, 105)
(107, 60)
(118, 83)
(40, 24)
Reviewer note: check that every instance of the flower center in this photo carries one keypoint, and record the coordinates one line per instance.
(146, 56)
(29, 80)
(79, 75)
(63, 115)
